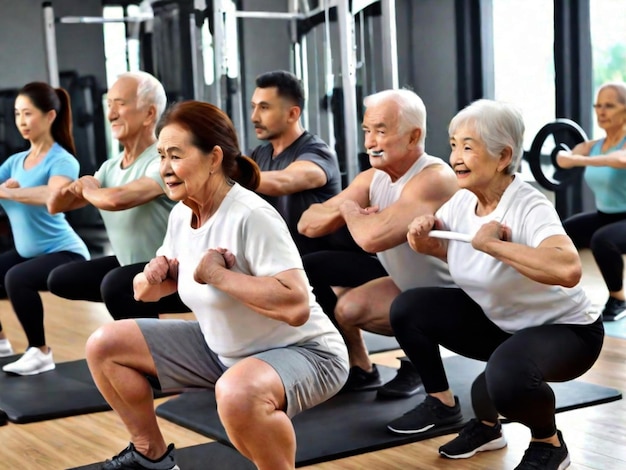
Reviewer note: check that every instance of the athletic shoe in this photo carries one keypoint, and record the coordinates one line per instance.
(32, 362)
(5, 348)
(405, 384)
(130, 458)
(427, 415)
(474, 437)
(360, 380)
(614, 309)
(544, 456)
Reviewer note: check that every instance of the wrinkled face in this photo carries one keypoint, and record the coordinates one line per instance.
(385, 142)
(610, 113)
(475, 168)
(270, 113)
(185, 169)
(31, 121)
(126, 118)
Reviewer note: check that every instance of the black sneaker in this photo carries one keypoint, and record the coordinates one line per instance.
(614, 309)
(543, 456)
(360, 380)
(474, 437)
(405, 384)
(427, 415)
(130, 458)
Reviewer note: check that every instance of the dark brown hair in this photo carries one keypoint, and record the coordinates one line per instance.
(45, 98)
(210, 126)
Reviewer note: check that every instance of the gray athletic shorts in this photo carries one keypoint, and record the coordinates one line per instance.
(311, 372)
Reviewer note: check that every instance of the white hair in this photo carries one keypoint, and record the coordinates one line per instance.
(150, 91)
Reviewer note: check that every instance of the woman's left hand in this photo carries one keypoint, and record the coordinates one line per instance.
(490, 231)
(211, 263)
(11, 183)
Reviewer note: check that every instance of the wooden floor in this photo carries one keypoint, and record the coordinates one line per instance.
(596, 436)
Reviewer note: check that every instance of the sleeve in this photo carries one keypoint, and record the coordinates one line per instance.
(153, 170)
(540, 221)
(269, 247)
(64, 164)
(6, 169)
(325, 160)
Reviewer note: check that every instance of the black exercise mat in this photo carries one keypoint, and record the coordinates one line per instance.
(201, 457)
(68, 390)
(355, 423)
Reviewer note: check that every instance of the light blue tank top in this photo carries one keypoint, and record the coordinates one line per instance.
(608, 184)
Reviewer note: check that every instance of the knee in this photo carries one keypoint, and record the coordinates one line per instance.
(236, 399)
(507, 381)
(350, 310)
(102, 343)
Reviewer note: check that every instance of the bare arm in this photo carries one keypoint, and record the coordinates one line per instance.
(283, 297)
(298, 176)
(555, 261)
(324, 218)
(158, 279)
(35, 196)
(376, 231)
(124, 197)
(579, 156)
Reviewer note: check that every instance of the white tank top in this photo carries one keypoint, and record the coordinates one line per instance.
(407, 268)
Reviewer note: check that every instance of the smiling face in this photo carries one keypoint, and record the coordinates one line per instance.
(185, 169)
(387, 144)
(610, 112)
(127, 118)
(31, 121)
(475, 168)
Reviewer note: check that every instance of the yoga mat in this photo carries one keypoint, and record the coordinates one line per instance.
(354, 423)
(68, 390)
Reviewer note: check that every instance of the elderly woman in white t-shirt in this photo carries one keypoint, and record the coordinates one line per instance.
(261, 339)
(518, 307)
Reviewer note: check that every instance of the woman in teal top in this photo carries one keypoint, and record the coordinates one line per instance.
(42, 241)
(604, 231)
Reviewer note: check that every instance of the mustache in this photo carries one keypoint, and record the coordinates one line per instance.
(375, 153)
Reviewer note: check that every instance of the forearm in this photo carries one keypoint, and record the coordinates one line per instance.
(64, 201)
(547, 265)
(267, 296)
(375, 232)
(36, 196)
(146, 292)
(319, 220)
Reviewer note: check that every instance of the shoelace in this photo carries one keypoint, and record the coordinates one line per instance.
(537, 457)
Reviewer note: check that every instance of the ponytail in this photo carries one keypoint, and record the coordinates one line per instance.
(62, 125)
(246, 172)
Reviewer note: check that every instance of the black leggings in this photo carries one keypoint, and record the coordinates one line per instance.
(21, 279)
(518, 365)
(605, 234)
(333, 268)
(104, 280)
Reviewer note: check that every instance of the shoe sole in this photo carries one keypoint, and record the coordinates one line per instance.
(496, 444)
(31, 372)
(565, 463)
(424, 429)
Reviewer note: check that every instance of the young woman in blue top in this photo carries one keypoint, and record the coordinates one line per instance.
(42, 241)
(604, 231)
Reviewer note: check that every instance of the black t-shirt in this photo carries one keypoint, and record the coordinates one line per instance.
(307, 147)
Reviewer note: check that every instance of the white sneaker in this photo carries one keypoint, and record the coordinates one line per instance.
(31, 363)
(5, 348)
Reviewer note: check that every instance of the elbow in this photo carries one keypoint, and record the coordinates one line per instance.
(572, 276)
(299, 316)
(52, 207)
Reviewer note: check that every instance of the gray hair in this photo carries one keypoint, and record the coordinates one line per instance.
(411, 109)
(618, 87)
(498, 125)
(150, 91)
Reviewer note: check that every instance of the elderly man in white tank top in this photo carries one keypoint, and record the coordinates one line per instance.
(377, 207)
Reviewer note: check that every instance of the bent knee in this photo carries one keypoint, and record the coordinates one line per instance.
(107, 340)
(350, 311)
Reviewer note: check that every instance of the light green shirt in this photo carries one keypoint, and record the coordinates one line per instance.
(135, 234)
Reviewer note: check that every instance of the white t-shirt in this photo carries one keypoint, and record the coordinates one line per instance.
(258, 237)
(511, 300)
(407, 268)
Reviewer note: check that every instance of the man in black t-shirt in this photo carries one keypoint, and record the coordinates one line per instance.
(297, 167)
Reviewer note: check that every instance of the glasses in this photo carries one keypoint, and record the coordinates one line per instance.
(607, 106)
